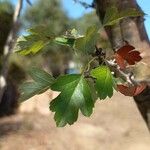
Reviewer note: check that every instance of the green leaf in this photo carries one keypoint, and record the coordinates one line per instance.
(104, 81)
(92, 88)
(37, 39)
(110, 16)
(75, 94)
(68, 39)
(115, 83)
(42, 82)
(86, 44)
(41, 30)
(65, 41)
(30, 89)
(41, 76)
(113, 16)
(74, 33)
(131, 12)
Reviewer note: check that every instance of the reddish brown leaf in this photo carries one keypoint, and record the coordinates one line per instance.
(124, 50)
(132, 90)
(139, 89)
(120, 61)
(127, 54)
(132, 57)
(128, 91)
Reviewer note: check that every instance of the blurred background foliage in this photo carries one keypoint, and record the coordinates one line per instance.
(51, 14)
(16, 73)
(56, 59)
(6, 14)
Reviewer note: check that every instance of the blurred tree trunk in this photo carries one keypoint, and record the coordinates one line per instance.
(11, 75)
(8, 47)
(133, 31)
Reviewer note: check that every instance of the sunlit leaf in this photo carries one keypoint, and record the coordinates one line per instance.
(104, 81)
(37, 39)
(67, 41)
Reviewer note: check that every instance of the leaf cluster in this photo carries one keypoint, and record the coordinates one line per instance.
(78, 92)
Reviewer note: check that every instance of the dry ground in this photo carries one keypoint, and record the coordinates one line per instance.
(115, 125)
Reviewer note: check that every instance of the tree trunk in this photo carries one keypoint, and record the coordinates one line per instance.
(133, 31)
(8, 47)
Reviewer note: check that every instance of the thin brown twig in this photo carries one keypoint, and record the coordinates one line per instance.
(124, 74)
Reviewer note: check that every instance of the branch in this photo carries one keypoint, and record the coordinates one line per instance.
(125, 74)
(28, 1)
(8, 48)
(84, 4)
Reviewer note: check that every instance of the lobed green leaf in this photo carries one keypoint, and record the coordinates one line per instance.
(75, 95)
(86, 44)
(113, 16)
(42, 82)
(37, 39)
(104, 81)
(67, 41)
